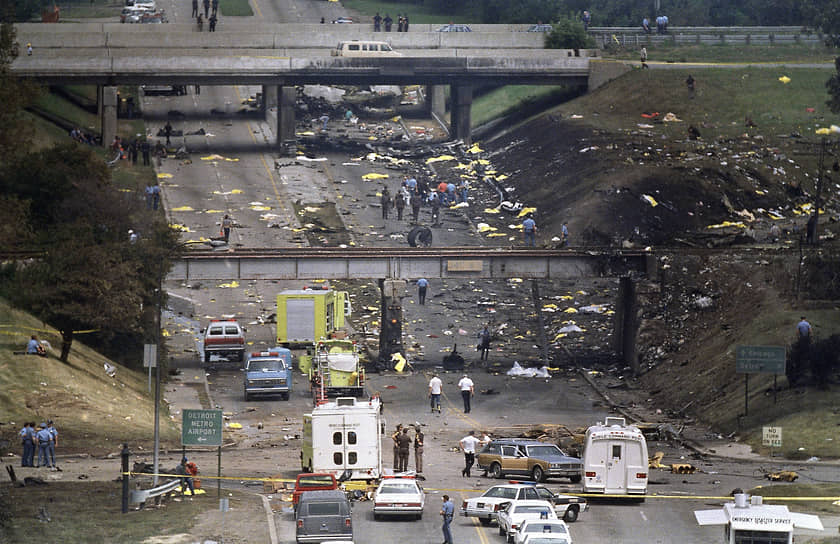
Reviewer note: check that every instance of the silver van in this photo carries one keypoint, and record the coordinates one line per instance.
(323, 516)
(364, 48)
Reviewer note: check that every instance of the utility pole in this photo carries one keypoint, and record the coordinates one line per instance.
(390, 333)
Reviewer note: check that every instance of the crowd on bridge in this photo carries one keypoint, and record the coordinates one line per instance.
(388, 23)
(212, 17)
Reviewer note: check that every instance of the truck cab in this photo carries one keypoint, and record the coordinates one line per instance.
(268, 373)
(226, 338)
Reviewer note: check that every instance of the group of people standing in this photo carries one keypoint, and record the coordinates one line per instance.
(661, 25)
(402, 448)
(414, 194)
(44, 438)
(211, 16)
(378, 22)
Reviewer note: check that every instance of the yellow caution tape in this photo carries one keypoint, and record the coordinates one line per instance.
(183, 209)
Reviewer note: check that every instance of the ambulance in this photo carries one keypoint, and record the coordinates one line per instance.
(748, 520)
(615, 459)
(344, 434)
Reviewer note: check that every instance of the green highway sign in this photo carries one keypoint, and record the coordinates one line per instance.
(760, 359)
(201, 428)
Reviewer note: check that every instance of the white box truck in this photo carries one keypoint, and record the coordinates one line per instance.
(615, 459)
(344, 435)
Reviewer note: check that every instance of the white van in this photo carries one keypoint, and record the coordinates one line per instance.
(364, 48)
(615, 459)
(344, 435)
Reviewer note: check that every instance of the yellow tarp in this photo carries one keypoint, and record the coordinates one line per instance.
(164, 175)
(183, 209)
(179, 227)
(474, 149)
(526, 211)
(650, 200)
(440, 158)
(374, 175)
(727, 224)
(784, 79)
(231, 285)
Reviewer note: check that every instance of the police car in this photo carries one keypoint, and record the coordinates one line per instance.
(554, 529)
(513, 514)
(398, 496)
(486, 506)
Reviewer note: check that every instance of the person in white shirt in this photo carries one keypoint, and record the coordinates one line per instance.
(468, 444)
(435, 385)
(467, 391)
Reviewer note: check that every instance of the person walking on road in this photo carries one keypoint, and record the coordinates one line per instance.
(447, 512)
(484, 342)
(467, 388)
(418, 449)
(404, 442)
(415, 207)
(422, 286)
(213, 20)
(167, 131)
(435, 386)
(529, 231)
(399, 204)
(206, 8)
(386, 202)
(227, 224)
(195, 9)
(468, 445)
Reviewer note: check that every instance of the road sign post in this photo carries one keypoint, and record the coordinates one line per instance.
(150, 360)
(204, 428)
(771, 436)
(759, 360)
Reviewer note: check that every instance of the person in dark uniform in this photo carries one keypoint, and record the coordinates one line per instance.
(399, 204)
(386, 202)
(195, 8)
(395, 437)
(388, 22)
(484, 342)
(167, 131)
(206, 8)
(213, 21)
(418, 449)
(404, 442)
(145, 149)
(377, 22)
(415, 207)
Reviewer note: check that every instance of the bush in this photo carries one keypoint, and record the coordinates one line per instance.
(568, 34)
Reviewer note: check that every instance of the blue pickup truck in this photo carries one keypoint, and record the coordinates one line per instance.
(269, 373)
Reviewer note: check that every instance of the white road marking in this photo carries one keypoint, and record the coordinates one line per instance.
(641, 513)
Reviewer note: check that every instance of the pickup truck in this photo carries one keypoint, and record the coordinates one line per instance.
(269, 373)
(226, 338)
(312, 481)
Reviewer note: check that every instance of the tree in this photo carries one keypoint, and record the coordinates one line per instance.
(15, 133)
(568, 34)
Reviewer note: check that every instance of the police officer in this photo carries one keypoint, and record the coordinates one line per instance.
(53, 442)
(418, 449)
(395, 437)
(404, 442)
(27, 437)
(42, 440)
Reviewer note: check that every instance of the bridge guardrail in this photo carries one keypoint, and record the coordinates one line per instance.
(140, 496)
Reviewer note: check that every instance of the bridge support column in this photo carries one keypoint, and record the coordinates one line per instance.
(286, 118)
(390, 333)
(626, 325)
(460, 106)
(107, 113)
(269, 107)
(436, 100)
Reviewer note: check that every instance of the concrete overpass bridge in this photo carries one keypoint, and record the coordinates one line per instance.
(393, 267)
(272, 56)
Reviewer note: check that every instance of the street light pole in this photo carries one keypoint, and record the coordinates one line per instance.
(157, 374)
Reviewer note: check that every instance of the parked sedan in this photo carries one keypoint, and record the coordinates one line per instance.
(542, 527)
(514, 514)
(398, 497)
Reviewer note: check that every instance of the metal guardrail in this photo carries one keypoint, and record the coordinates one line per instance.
(708, 29)
(142, 495)
(706, 35)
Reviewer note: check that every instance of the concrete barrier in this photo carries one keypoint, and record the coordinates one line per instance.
(214, 40)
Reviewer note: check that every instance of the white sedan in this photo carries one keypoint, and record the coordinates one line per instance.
(549, 538)
(514, 514)
(398, 497)
(542, 527)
